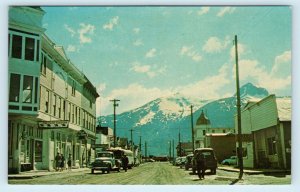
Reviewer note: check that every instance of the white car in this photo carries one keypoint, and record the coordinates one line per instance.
(231, 161)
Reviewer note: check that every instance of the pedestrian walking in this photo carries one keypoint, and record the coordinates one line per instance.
(69, 162)
(57, 161)
(125, 162)
(62, 163)
(200, 165)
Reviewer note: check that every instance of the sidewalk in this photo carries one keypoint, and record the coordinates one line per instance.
(38, 173)
(254, 171)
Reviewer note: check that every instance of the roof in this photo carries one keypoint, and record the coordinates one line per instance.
(219, 134)
(284, 108)
(202, 120)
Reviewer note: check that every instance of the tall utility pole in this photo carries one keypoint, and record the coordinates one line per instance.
(145, 151)
(140, 149)
(131, 142)
(179, 143)
(115, 104)
(170, 150)
(192, 126)
(173, 152)
(238, 106)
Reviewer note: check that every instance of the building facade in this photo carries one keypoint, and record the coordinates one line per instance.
(51, 106)
(266, 131)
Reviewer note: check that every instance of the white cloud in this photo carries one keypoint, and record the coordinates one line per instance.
(136, 30)
(274, 80)
(209, 87)
(71, 48)
(147, 69)
(130, 98)
(69, 29)
(225, 10)
(141, 68)
(138, 43)
(86, 29)
(190, 52)
(151, 53)
(203, 10)
(112, 22)
(214, 44)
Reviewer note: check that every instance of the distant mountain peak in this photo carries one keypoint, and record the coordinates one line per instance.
(253, 91)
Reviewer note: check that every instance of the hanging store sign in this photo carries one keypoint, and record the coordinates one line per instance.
(53, 124)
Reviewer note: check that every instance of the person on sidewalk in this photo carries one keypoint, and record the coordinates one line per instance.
(62, 163)
(57, 161)
(125, 162)
(70, 162)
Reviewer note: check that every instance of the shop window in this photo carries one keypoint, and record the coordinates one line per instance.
(271, 146)
(14, 90)
(16, 46)
(29, 49)
(52, 135)
(38, 151)
(27, 89)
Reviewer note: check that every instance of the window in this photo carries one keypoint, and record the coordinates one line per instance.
(213, 131)
(79, 116)
(73, 88)
(43, 64)
(59, 108)
(91, 104)
(47, 102)
(38, 151)
(37, 53)
(27, 89)
(204, 132)
(244, 151)
(271, 146)
(16, 47)
(29, 49)
(54, 105)
(52, 135)
(14, 90)
(36, 85)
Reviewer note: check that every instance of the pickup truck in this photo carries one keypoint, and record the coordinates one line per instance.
(105, 161)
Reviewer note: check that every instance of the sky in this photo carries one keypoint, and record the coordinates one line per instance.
(137, 54)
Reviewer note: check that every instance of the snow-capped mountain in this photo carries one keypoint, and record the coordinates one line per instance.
(159, 121)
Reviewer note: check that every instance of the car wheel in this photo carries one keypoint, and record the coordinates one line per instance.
(92, 171)
(108, 170)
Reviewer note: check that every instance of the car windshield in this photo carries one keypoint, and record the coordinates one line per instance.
(207, 154)
(104, 155)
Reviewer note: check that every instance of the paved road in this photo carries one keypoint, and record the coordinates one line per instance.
(152, 174)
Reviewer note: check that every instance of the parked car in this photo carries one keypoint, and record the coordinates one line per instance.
(105, 161)
(209, 157)
(230, 161)
(189, 162)
(182, 161)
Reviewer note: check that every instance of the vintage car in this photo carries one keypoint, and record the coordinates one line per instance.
(105, 161)
(209, 157)
(230, 161)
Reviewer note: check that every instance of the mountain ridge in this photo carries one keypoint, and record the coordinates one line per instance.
(159, 121)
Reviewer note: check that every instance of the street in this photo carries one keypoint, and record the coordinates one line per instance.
(156, 173)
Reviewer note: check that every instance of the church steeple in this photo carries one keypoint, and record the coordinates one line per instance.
(203, 120)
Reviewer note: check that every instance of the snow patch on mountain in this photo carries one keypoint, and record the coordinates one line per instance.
(146, 119)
